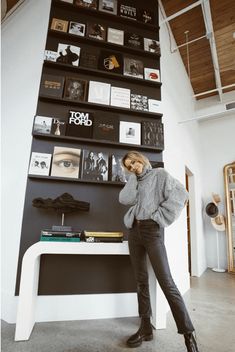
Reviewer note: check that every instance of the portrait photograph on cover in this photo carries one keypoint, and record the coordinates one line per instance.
(95, 165)
(66, 162)
(90, 4)
(130, 132)
(59, 25)
(77, 28)
(152, 45)
(118, 172)
(75, 89)
(133, 68)
(58, 127)
(42, 124)
(96, 31)
(109, 6)
(40, 164)
(68, 54)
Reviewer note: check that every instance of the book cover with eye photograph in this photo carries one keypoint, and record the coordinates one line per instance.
(66, 162)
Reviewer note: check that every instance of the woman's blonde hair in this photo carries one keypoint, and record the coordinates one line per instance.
(136, 156)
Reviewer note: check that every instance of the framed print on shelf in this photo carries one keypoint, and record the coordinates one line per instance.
(115, 36)
(152, 134)
(89, 4)
(42, 124)
(120, 97)
(99, 92)
(152, 74)
(133, 68)
(66, 162)
(59, 25)
(109, 6)
(152, 45)
(68, 54)
(139, 102)
(52, 85)
(77, 28)
(75, 89)
(110, 61)
(130, 132)
(58, 127)
(96, 31)
(40, 164)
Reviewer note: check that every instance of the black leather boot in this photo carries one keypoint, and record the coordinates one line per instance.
(190, 342)
(145, 333)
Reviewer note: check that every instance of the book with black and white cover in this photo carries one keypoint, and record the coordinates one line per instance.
(120, 97)
(130, 132)
(108, 6)
(66, 162)
(133, 67)
(89, 59)
(52, 85)
(75, 89)
(146, 16)
(152, 134)
(152, 45)
(42, 124)
(95, 165)
(68, 54)
(118, 172)
(106, 127)
(58, 127)
(50, 55)
(134, 40)
(110, 61)
(126, 9)
(99, 92)
(77, 28)
(155, 105)
(152, 74)
(89, 4)
(115, 36)
(80, 124)
(39, 164)
(139, 102)
(96, 31)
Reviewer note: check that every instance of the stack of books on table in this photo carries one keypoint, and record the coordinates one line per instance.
(110, 237)
(60, 236)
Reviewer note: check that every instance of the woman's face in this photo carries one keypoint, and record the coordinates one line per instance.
(134, 166)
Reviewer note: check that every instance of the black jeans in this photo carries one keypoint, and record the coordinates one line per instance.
(146, 238)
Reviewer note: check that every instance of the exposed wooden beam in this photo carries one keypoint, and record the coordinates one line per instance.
(186, 9)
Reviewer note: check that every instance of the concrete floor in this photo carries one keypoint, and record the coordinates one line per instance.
(211, 304)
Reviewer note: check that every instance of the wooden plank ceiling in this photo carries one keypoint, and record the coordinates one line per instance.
(201, 71)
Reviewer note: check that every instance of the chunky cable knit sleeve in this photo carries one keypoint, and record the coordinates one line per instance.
(175, 197)
(128, 195)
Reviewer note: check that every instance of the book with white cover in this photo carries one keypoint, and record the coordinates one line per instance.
(120, 97)
(152, 74)
(130, 132)
(99, 92)
(39, 164)
(154, 105)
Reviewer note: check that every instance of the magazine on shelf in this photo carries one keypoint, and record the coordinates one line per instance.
(152, 134)
(133, 40)
(80, 124)
(130, 132)
(99, 92)
(40, 164)
(68, 54)
(110, 61)
(109, 6)
(115, 36)
(152, 45)
(118, 172)
(58, 127)
(154, 106)
(66, 162)
(120, 97)
(96, 31)
(152, 74)
(59, 25)
(75, 89)
(95, 165)
(89, 4)
(52, 85)
(42, 124)
(139, 102)
(106, 127)
(77, 28)
(133, 67)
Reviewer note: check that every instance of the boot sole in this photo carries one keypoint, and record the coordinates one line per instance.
(137, 344)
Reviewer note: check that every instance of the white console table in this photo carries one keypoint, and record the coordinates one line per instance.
(30, 275)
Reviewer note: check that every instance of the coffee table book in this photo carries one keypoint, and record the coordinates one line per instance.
(39, 164)
(52, 85)
(80, 124)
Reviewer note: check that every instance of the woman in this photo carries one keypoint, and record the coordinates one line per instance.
(156, 200)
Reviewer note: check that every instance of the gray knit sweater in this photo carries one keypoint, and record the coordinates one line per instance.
(155, 195)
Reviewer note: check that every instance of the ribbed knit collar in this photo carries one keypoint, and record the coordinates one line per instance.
(145, 171)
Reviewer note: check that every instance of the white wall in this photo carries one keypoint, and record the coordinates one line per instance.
(23, 40)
